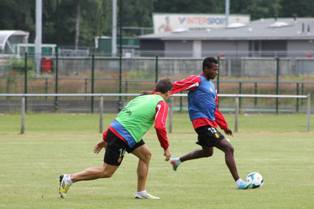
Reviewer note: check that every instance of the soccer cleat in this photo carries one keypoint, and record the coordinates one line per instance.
(244, 185)
(145, 195)
(175, 162)
(64, 186)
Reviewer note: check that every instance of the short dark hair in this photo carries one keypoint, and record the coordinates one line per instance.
(163, 86)
(208, 62)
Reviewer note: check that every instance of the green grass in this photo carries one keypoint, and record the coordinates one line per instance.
(276, 146)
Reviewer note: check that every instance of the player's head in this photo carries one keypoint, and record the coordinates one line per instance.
(210, 67)
(164, 86)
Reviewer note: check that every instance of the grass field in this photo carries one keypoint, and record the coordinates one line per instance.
(276, 146)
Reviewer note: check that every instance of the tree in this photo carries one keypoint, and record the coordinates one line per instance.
(304, 8)
(17, 15)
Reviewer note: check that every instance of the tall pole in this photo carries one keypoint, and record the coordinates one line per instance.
(93, 83)
(38, 39)
(227, 11)
(114, 29)
(25, 80)
(120, 55)
(277, 83)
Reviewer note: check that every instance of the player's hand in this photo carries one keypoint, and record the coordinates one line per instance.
(99, 146)
(167, 154)
(228, 132)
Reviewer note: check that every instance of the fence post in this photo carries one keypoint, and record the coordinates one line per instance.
(255, 92)
(298, 92)
(308, 113)
(25, 79)
(101, 107)
(156, 69)
(302, 92)
(240, 92)
(126, 86)
(92, 83)
(181, 103)
(46, 88)
(170, 122)
(85, 87)
(56, 79)
(277, 84)
(218, 76)
(236, 115)
(22, 130)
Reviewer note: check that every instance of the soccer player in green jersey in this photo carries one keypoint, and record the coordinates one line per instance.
(125, 134)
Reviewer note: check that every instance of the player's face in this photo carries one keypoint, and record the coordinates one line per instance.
(167, 95)
(212, 72)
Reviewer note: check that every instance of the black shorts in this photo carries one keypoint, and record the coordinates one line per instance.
(116, 148)
(208, 136)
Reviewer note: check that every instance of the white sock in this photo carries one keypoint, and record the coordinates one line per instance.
(238, 182)
(142, 192)
(67, 179)
(178, 160)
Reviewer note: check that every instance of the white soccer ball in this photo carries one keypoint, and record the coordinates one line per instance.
(255, 179)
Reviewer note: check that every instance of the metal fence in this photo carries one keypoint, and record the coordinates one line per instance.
(235, 97)
(98, 74)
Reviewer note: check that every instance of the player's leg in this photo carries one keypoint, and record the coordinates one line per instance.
(112, 159)
(199, 153)
(66, 180)
(144, 155)
(105, 171)
(204, 139)
(227, 148)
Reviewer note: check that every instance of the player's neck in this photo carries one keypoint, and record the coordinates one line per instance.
(164, 96)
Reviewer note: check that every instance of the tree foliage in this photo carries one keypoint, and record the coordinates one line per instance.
(60, 16)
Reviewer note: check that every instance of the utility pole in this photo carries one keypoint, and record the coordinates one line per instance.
(114, 29)
(227, 11)
(38, 39)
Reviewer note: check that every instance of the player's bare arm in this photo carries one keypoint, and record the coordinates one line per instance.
(228, 131)
(99, 146)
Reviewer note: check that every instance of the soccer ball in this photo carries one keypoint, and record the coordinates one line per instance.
(255, 179)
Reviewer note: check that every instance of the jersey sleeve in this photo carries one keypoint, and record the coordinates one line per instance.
(219, 117)
(186, 84)
(104, 135)
(160, 124)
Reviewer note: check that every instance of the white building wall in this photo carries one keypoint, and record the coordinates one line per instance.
(178, 48)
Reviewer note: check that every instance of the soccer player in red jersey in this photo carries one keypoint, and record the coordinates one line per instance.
(205, 117)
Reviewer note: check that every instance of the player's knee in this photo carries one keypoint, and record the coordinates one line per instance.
(106, 174)
(229, 150)
(207, 153)
(148, 156)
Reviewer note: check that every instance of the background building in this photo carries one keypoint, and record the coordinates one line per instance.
(265, 37)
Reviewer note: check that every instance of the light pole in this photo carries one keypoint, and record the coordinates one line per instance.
(227, 11)
(38, 39)
(120, 55)
(114, 29)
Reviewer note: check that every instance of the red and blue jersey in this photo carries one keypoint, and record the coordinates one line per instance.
(202, 101)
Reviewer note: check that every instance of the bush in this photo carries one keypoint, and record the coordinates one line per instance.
(19, 65)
